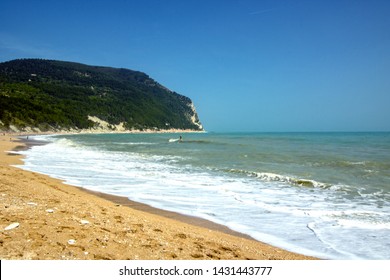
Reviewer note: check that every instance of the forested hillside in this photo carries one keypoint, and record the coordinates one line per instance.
(57, 95)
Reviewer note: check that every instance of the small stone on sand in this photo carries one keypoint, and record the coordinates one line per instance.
(12, 226)
(71, 241)
(84, 222)
(50, 211)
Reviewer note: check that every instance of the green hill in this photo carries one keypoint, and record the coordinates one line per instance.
(56, 95)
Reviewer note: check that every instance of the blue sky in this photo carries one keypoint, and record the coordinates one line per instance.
(247, 65)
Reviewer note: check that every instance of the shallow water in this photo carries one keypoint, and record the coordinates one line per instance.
(320, 194)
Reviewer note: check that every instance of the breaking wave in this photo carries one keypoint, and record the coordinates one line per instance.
(272, 177)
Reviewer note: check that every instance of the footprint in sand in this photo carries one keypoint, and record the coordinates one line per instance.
(181, 235)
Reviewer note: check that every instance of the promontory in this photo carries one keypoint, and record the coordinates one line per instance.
(39, 95)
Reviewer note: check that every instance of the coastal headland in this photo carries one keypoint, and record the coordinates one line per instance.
(42, 218)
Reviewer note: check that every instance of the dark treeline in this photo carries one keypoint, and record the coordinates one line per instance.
(54, 94)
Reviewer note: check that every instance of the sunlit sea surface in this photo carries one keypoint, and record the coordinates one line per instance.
(321, 194)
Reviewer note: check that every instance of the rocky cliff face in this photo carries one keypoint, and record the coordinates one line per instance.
(56, 95)
(193, 116)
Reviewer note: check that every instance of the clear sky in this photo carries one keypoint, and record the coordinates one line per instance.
(248, 65)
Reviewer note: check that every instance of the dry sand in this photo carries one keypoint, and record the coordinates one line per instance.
(58, 221)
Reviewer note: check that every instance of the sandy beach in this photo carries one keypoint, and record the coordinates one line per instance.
(42, 218)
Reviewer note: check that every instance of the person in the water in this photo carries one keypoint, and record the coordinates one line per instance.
(180, 139)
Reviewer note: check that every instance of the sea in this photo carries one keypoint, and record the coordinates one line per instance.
(325, 195)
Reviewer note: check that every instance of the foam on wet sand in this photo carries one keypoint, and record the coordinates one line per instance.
(89, 225)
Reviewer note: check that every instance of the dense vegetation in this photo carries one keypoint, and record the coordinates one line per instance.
(50, 94)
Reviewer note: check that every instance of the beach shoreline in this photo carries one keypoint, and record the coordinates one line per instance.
(59, 221)
(34, 131)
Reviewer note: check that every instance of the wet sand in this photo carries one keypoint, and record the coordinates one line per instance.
(57, 221)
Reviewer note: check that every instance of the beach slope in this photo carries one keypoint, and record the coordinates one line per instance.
(42, 218)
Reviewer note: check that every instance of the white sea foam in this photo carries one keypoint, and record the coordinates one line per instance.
(136, 143)
(316, 220)
(287, 179)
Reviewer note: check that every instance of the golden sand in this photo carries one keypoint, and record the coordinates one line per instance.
(57, 221)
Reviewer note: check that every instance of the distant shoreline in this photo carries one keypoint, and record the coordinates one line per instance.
(96, 131)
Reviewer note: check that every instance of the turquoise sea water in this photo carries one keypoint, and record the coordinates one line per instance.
(321, 194)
